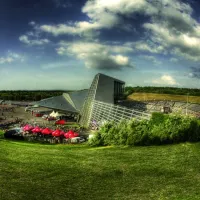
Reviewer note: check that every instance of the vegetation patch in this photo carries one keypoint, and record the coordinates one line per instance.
(160, 129)
(1, 134)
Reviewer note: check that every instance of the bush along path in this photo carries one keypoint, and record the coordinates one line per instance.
(160, 129)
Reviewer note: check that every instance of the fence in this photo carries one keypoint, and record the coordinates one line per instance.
(110, 112)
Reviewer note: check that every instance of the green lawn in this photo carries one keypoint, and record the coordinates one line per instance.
(60, 172)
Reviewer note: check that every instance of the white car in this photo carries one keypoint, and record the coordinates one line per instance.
(45, 116)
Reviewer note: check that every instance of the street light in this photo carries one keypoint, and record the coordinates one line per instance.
(187, 104)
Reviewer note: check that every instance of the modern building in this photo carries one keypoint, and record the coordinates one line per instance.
(103, 88)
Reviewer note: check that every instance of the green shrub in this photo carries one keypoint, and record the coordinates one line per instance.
(142, 133)
(1, 134)
(96, 140)
(160, 129)
(158, 118)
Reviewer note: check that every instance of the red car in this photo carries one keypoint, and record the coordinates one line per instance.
(60, 122)
(38, 115)
(51, 118)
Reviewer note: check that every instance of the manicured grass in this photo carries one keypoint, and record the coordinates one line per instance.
(60, 172)
(169, 97)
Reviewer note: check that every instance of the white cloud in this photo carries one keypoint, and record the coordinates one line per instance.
(63, 29)
(16, 56)
(96, 55)
(4, 60)
(165, 80)
(147, 46)
(182, 44)
(152, 59)
(173, 60)
(102, 15)
(32, 23)
(172, 24)
(54, 65)
(26, 40)
(11, 57)
(171, 28)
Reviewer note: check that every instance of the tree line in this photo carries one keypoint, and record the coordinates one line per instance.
(35, 95)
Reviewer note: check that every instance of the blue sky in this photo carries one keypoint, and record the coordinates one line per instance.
(62, 44)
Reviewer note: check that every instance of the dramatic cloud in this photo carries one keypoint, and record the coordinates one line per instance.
(165, 80)
(96, 55)
(172, 27)
(181, 44)
(168, 26)
(26, 40)
(195, 72)
(102, 15)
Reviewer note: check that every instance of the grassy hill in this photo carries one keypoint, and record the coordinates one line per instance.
(58, 172)
(169, 97)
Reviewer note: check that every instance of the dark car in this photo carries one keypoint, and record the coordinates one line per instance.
(14, 133)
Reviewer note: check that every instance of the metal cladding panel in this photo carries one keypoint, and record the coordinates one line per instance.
(78, 98)
(105, 89)
(58, 102)
(68, 99)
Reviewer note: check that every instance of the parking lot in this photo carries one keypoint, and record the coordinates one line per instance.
(11, 113)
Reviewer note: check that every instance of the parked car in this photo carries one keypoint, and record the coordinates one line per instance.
(14, 133)
(38, 114)
(28, 109)
(45, 116)
(51, 118)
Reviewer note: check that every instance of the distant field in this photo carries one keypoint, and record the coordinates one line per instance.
(169, 97)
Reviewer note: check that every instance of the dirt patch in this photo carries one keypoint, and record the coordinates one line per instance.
(26, 117)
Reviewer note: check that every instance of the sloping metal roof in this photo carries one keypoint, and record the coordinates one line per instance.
(110, 77)
(71, 101)
(78, 98)
(68, 99)
(58, 102)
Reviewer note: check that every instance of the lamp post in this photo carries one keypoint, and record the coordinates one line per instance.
(187, 104)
